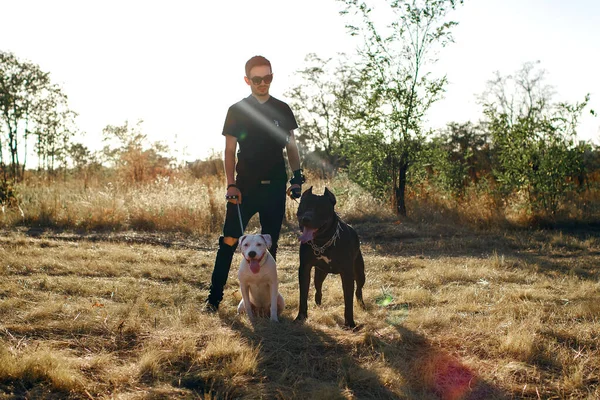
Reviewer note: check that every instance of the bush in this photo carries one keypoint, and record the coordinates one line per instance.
(8, 195)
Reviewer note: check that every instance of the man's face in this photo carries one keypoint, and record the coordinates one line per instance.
(261, 89)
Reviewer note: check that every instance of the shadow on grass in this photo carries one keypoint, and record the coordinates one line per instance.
(300, 361)
(406, 239)
(550, 252)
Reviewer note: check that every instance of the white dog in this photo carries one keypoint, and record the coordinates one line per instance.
(258, 278)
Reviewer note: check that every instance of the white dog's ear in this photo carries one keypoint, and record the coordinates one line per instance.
(267, 238)
(241, 241)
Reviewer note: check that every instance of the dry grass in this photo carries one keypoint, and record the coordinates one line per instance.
(467, 317)
(179, 203)
(480, 208)
(167, 204)
(452, 313)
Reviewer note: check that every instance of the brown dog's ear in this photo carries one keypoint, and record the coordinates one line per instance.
(330, 195)
(307, 191)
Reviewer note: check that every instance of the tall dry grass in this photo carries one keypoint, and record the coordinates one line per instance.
(178, 203)
(481, 208)
(182, 202)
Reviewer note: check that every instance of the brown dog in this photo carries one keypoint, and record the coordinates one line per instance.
(331, 246)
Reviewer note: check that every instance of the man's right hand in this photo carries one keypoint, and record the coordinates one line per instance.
(231, 192)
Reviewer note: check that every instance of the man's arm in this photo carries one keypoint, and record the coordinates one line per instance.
(292, 152)
(229, 163)
(230, 149)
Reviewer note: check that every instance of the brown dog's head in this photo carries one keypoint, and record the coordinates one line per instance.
(315, 213)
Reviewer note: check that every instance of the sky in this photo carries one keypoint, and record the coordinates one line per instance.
(179, 64)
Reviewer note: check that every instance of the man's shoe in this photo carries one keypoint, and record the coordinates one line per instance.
(210, 308)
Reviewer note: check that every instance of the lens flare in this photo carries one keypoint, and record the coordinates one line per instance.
(446, 376)
(280, 134)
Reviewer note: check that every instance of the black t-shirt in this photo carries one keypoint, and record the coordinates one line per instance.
(262, 132)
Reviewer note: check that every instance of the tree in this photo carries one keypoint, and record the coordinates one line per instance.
(521, 95)
(55, 129)
(81, 156)
(29, 104)
(399, 87)
(324, 100)
(533, 138)
(128, 150)
(85, 163)
(458, 156)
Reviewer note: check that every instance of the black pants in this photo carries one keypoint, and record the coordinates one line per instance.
(266, 200)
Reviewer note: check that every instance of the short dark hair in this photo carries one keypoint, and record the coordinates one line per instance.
(255, 62)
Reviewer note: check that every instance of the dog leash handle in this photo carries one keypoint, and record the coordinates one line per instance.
(234, 197)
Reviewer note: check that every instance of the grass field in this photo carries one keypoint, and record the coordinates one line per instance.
(452, 312)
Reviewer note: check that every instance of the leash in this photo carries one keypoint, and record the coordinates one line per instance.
(234, 197)
(290, 194)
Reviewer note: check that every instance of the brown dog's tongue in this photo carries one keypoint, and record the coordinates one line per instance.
(307, 235)
(254, 266)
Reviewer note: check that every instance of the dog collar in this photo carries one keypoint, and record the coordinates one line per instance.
(319, 250)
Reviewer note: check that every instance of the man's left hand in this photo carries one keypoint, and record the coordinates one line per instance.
(295, 191)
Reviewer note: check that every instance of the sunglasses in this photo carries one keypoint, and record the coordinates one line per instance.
(258, 79)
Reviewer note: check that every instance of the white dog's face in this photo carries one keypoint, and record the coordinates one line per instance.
(254, 249)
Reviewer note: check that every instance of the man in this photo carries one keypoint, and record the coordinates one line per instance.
(262, 127)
